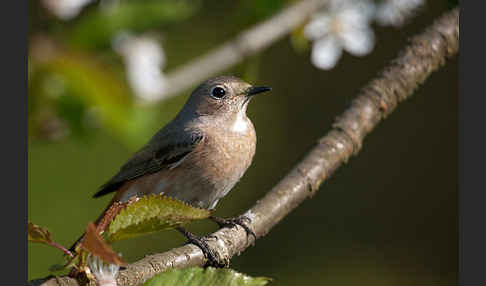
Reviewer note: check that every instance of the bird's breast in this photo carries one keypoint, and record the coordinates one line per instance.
(229, 153)
(206, 174)
(223, 158)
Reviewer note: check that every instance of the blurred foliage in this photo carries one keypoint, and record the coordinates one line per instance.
(300, 43)
(97, 27)
(389, 217)
(82, 91)
(257, 9)
(453, 3)
(73, 89)
(77, 82)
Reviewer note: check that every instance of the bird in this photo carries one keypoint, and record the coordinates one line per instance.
(197, 158)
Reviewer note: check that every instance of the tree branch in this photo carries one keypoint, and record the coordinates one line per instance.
(246, 44)
(425, 54)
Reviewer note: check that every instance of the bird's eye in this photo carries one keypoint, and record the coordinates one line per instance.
(218, 92)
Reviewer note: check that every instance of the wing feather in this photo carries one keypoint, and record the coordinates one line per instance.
(150, 160)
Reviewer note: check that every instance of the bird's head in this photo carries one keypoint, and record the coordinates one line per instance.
(222, 96)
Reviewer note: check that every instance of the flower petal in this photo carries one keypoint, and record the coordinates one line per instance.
(65, 9)
(358, 42)
(318, 27)
(326, 52)
(359, 15)
(144, 58)
(396, 12)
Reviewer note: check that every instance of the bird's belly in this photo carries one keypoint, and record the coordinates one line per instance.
(205, 175)
(212, 172)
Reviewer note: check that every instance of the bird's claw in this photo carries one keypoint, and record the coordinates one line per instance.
(209, 254)
(232, 222)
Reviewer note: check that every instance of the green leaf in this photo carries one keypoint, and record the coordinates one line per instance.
(92, 84)
(150, 214)
(38, 234)
(195, 276)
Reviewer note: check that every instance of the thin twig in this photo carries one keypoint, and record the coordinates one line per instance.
(242, 46)
(426, 53)
(62, 248)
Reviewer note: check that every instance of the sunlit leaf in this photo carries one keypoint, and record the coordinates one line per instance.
(196, 276)
(150, 214)
(103, 94)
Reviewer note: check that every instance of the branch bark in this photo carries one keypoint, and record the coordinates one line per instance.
(246, 44)
(425, 54)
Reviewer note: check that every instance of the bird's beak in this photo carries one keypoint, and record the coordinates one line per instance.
(256, 90)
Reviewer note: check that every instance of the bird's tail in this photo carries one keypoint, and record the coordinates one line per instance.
(76, 243)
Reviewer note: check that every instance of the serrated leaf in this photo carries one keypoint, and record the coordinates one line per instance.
(38, 234)
(94, 244)
(150, 214)
(196, 276)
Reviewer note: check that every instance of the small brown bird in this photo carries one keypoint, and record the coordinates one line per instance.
(199, 156)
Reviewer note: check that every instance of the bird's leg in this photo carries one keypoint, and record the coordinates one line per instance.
(208, 252)
(232, 222)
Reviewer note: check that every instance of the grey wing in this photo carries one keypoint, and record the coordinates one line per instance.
(150, 160)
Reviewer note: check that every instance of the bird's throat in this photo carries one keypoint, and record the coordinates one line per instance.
(240, 124)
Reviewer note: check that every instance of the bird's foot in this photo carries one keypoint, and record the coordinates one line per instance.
(212, 259)
(232, 222)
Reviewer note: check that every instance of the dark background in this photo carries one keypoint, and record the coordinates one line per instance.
(388, 217)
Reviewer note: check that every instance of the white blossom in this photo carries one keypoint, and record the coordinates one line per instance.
(395, 12)
(344, 25)
(65, 9)
(144, 59)
(104, 273)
